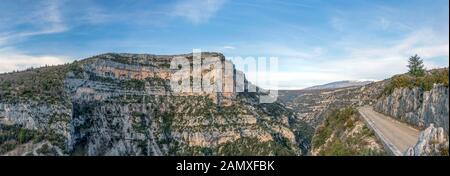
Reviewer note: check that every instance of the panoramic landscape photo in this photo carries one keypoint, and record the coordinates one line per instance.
(224, 78)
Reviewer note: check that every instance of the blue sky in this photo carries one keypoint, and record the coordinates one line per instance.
(316, 41)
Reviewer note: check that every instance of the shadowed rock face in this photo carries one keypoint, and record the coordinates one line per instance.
(124, 104)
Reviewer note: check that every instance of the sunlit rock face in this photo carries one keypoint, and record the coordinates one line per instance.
(137, 104)
(432, 142)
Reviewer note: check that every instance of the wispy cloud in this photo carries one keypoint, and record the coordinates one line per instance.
(229, 47)
(424, 42)
(12, 59)
(378, 61)
(360, 62)
(45, 19)
(197, 11)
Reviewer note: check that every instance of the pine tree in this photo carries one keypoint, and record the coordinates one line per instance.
(415, 65)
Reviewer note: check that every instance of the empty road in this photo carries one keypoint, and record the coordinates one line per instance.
(396, 135)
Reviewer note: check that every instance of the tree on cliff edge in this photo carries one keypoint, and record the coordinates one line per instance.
(415, 65)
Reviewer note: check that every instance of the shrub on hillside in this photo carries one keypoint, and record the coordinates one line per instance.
(426, 82)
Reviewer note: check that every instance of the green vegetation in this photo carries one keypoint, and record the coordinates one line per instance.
(242, 147)
(335, 122)
(133, 84)
(167, 121)
(164, 65)
(115, 57)
(157, 81)
(415, 65)
(254, 147)
(273, 109)
(340, 144)
(119, 58)
(55, 117)
(54, 138)
(417, 76)
(444, 151)
(76, 69)
(425, 82)
(13, 135)
(192, 151)
(44, 84)
(94, 77)
(337, 148)
(47, 150)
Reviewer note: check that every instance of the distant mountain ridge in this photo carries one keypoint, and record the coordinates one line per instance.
(339, 84)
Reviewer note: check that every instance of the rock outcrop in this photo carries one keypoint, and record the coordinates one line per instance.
(432, 142)
(417, 107)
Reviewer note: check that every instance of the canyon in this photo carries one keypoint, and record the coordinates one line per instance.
(124, 104)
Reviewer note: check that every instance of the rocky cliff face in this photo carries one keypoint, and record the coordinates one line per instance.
(417, 107)
(124, 104)
(432, 142)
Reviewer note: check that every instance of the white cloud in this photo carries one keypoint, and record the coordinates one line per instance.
(433, 51)
(382, 62)
(361, 62)
(197, 11)
(229, 47)
(46, 19)
(12, 59)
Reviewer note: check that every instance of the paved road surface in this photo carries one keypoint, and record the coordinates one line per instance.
(400, 135)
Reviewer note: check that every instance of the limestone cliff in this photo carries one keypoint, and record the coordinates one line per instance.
(418, 107)
(124, 104)
(432, 142)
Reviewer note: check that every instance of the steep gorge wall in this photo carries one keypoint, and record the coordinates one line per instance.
(123, 104)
